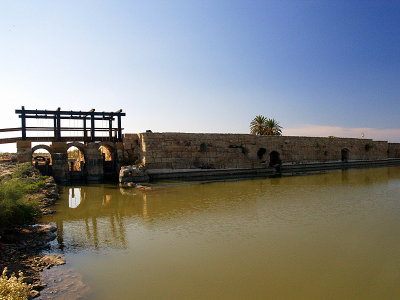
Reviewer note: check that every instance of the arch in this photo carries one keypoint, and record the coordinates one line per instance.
(261, 152)
(45, 147)
(274, 159)
(42, 159)
(107, 144)
(107, 150)
(78, 145)
(345, 154)
(77, 163)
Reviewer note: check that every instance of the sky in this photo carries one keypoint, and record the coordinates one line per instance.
(318, 67)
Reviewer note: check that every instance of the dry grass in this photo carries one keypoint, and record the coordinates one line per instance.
(13, 287)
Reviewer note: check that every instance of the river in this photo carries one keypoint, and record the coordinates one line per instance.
(334, 235)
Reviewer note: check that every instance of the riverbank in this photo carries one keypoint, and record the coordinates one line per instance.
(22, 243)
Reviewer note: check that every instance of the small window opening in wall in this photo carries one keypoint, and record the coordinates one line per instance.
(261, 152)
(367, 147)
(274, 159)
(345, 154)
(203, 147)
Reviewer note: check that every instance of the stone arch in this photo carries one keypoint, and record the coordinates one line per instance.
(78, 145)
(77, 164)
(108, 150)
(274, 158)
(45, 147)
(345, 154)
(107, 144)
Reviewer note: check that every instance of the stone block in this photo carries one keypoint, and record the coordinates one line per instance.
(59, 147)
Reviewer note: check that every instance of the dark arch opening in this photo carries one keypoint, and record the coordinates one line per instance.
(42, 159)
(107, 152)
(261, 152)
(76, 158)
(41, 156)
(345, 154)
(274, 159)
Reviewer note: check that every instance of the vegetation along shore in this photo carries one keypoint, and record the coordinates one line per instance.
(25, 196)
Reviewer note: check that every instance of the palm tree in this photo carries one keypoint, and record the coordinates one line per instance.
(272, 127)
(257, 126)
(263, 126)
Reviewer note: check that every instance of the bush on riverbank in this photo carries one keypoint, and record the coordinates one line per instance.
(13, 288)
(17, 205)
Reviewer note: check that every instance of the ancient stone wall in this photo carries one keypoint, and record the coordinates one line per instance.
(90, 153)
(394, 150)
(131, 147)
(206, 150)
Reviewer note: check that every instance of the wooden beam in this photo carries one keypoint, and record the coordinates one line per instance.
(23, 124)
(68, 113)
(68, 118)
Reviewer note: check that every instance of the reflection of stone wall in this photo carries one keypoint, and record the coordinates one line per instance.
(394, 150)
(204, 150)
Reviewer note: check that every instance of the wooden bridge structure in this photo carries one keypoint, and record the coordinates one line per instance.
(60, 134)
(89, 139)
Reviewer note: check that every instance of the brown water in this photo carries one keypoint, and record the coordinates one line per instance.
(325, 236)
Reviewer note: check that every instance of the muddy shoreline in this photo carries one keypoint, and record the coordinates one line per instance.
(22, 249)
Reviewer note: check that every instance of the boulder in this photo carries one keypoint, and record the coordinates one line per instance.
(133, 174)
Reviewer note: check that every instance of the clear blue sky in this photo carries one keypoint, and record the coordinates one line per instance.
(207, 66)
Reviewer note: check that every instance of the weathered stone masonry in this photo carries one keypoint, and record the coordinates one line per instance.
(94, 164)
(217, 151)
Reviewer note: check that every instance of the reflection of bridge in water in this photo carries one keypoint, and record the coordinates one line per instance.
(100, 147)
(100, 216)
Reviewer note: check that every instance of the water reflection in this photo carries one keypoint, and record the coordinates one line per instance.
(105, 211)
(300, 237)
(74, 197)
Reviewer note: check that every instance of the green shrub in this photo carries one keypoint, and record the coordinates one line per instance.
(15, 207)
(25, 170)
(13, 288)
(34, 186)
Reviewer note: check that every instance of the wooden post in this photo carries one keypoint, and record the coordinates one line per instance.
(84, 128)
(119, 129)
(58, 138)
(55, 127)
(92, 129)
(23, 123)
(110, 128)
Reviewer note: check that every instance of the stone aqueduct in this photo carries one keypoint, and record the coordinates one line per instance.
(95, 165)
(176, 150)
